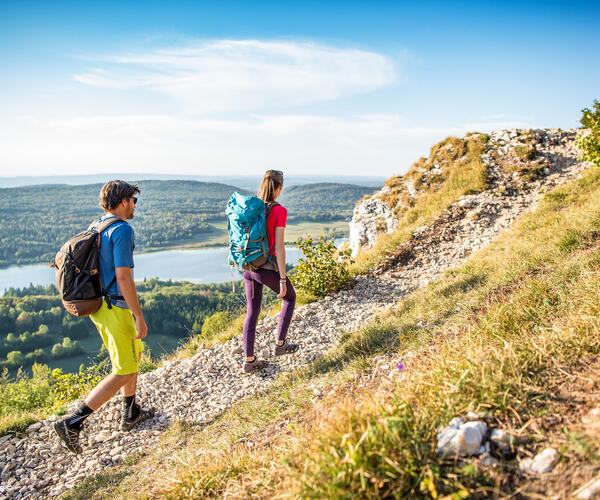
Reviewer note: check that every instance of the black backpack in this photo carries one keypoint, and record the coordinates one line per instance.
(76, 269)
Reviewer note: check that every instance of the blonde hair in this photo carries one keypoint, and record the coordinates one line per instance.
(271, 182)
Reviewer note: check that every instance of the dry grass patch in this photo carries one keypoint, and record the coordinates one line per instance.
(454, 168)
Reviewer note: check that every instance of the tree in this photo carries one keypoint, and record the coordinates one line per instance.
(590, 142)
(43, 330)
(15, 358)
(26, 321)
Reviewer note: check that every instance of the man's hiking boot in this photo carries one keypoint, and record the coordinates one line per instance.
(128, 424)
(253, 366)
(285, 348)
(69, 436)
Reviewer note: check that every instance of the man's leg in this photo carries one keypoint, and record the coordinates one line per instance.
(117, 329)
(130, 386)
(108, 387)
(68, 429)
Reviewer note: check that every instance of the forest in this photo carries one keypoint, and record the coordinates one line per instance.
(36, 220)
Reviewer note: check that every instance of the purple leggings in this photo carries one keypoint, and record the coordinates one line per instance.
(256, 280)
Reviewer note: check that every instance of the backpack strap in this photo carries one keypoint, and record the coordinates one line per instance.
(100, 227)
(107, 296)
(269, 206)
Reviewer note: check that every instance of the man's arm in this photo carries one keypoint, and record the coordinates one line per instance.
(127, 287)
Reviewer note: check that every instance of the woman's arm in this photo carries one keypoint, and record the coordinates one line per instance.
(280, 254)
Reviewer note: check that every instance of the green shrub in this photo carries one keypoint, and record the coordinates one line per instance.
(319, 272)
(23, 393)
(216, 323)
(590, 144)
(70, 386)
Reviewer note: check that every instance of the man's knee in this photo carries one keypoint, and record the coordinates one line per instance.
(127, 378)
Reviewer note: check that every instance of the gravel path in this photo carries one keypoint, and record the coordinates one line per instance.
(199, 388)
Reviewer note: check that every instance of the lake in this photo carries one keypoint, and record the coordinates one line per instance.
(205, 265)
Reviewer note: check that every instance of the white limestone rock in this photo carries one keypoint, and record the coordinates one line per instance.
(461, 438)
(503, 440)
(543, 462)
(370, 218)
(467, 202)
(34, 427)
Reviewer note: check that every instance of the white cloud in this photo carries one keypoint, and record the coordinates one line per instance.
(233, 75)
(297, 144)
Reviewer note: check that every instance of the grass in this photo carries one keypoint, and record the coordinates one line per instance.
(525, 152)
(26, 400)
(462, 173)
(497, 334)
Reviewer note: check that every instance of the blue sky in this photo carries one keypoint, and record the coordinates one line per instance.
(307, 87)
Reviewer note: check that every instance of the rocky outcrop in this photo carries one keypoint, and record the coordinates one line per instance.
(370, 217)
(515, 159)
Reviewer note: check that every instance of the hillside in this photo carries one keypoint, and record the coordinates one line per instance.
(36, 220)
(480, 296)
(327, 201)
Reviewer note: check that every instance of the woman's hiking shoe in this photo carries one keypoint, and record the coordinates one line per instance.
(128, 424)
(285, 348)
(252, 366)
(69, 436)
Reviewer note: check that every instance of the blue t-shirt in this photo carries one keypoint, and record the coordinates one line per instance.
(116, 250)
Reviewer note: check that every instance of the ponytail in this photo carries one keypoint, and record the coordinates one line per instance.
(271, 182)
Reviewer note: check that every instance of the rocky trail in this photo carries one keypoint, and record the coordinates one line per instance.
(199, 388)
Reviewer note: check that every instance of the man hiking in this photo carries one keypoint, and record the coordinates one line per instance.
(119, 320)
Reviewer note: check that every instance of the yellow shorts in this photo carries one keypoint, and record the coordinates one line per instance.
(117, 329)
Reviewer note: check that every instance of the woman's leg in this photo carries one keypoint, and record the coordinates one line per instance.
(254, 291)
(271, 279)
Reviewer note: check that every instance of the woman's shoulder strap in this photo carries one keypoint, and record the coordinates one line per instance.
(270, 205)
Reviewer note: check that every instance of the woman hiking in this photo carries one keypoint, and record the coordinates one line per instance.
(273, 275)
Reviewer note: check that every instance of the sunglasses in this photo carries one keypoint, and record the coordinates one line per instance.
(134, 200)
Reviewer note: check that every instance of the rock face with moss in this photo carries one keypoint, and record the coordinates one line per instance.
(456, 168)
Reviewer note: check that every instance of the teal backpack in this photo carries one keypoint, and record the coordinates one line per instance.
(247, 227)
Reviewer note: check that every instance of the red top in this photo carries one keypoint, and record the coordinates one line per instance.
(277, 218)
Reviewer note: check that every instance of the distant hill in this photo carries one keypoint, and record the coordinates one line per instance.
(249, 182)
(322, 201)
(36, 220)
